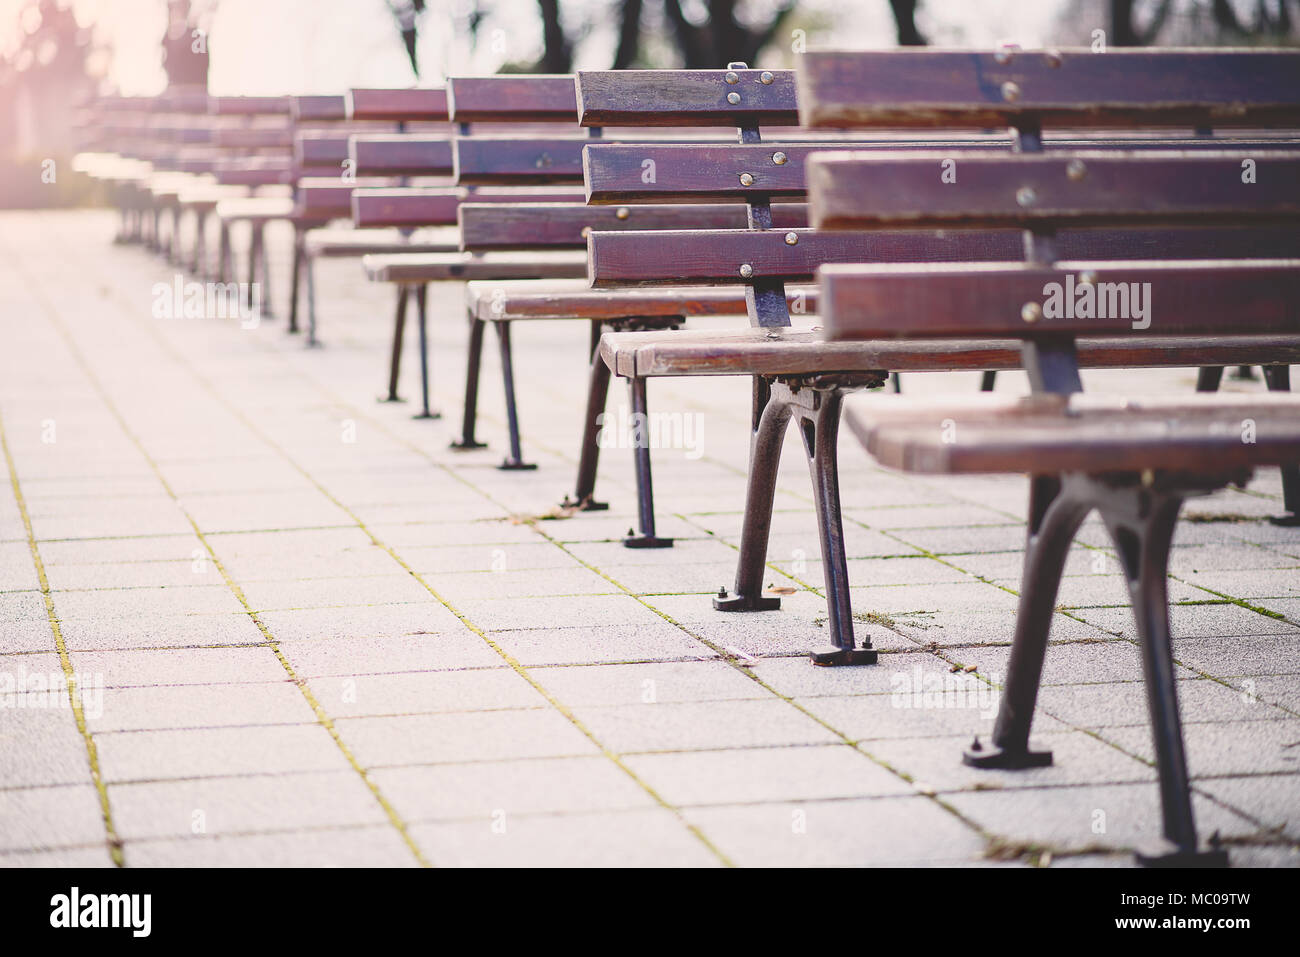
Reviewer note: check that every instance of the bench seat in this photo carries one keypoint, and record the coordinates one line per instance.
(417, 268)
(575, 299)
(346, 242)
(256, 208)
(1080, 432)
(750, 351)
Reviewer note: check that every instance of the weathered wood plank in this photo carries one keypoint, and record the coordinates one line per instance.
(537, 98)
(1069, 298)
(940, 88)
(687, 98)
(409, 105)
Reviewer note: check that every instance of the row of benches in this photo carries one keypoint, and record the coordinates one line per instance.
(1161, 184)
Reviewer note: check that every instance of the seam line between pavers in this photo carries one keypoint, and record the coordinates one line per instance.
(313, 703)
(65, 661)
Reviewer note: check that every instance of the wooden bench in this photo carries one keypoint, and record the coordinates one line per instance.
(1133, 460)
(790, 379)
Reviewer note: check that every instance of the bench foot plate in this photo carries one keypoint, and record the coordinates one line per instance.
(1170, 855)
(586, 505)
(427, 415)
(460, 445)
(389, 398)
(647, 541)
(1285, 521)
(515, 465)
(838, 657)
(991, 757)
(725, 602)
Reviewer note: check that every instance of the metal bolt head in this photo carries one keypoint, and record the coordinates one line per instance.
(1003, 56)
(765, 78)
(733, 97)
(732, 78)
(779, 158)
(1031, 312)
(1010, 91)
(1025, 196)
(586, 231)
(746, 179)
(746, 270)
(1076, 169)
(1053, 58)
(622, 212)
(1087, 277)
(792, 239)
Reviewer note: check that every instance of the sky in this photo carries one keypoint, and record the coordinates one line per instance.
(324, 46)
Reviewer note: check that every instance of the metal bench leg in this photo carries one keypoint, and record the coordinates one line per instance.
(1245, 373)
(515, 462)
(1053, 521)
(645, 496)
(421, 317)
(199, 264)
(473, 363)
(299, 236)
(1208, 378)
(309, 277)
(223, 253)
(1142, 523)
(399, 335)
(1278, 379)
(769, 421)
(589, 459)
(259, 269)
(819, 428)
(988, 380)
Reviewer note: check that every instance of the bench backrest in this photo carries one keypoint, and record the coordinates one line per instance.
(764, 259)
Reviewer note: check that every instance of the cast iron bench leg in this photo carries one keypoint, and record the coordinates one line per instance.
(516, 460)
(1053, 521)
(399, 334)
(309, 275)
(1278, 379)
(769, 420)
(597, 393)
(223, 253)
(299, 241)
(1208, 378)
(819, 424)
(473, 363)
(1142, 526)
(645, 496)
(421, 317)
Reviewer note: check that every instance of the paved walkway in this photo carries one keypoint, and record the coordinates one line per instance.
(303, 631)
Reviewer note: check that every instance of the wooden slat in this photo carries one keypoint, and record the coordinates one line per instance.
(317, 109)
(499, 160)
(1084, 435)
(408, 105)
(253, 137)
(851, 190)
(320, 151)
(436, 206)
(414, 267)
(685, 98)
(649, 173)
(574, 299)
(521, 98)
(993, 299)
(401, 154)
(549, 225)
(803, 351)
(940, 88)
(716, 256)
(250, 105)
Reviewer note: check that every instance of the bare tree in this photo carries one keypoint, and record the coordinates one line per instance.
(557, 51)
(905, 18)
(1124, 31)
(629, 34)
(722, 39)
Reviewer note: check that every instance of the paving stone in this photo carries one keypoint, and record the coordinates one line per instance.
(657, 641)
(64, 857)
(477, 736)
(1116, 704)
(475, 791)
(160, 631)
(695, 725)
(211, 752)
(889, 832)
(345, 657)
(425, 692)
(181, 666)
(1252, 654)
(378, 846)
(240, 805)
(1216, 749)
(392, 589)
(49, 817)
(646, 682)
(751, 775)
(203, 706)
(361, 621)
(1272, 799)
(40, 745)
(634, 838)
